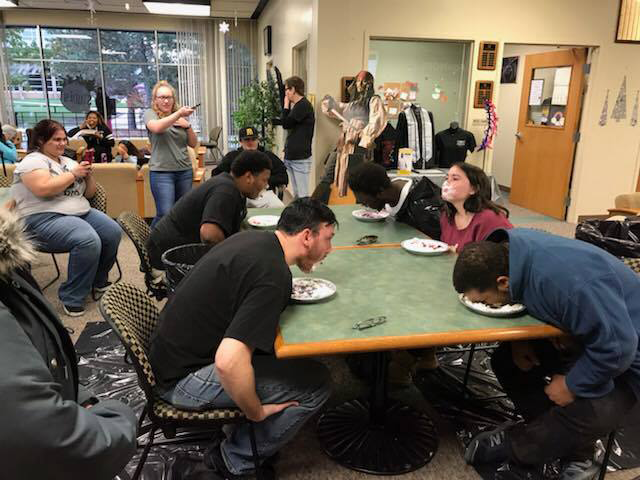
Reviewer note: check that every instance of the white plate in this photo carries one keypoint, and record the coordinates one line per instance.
(365, 215)
(311, 290)
(424, 246)
(511, 310)
(263, 221)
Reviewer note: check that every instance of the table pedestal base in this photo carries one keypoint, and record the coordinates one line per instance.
(397, 440)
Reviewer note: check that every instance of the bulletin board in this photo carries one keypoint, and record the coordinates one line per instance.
(397, 95)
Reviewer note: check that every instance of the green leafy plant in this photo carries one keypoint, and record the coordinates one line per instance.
(257, 106)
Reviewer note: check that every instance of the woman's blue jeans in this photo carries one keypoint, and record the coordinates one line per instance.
(167, 188)
(92, 241)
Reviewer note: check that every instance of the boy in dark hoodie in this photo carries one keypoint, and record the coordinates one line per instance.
(574, 389)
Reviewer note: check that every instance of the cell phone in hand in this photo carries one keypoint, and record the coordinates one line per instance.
(89, 155)
(195, 106)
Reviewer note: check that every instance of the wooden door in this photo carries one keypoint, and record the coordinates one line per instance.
(547, 131)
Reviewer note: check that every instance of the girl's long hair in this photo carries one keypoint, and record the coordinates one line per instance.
(479, 201)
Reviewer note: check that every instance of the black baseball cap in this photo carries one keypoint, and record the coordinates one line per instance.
(247, 133)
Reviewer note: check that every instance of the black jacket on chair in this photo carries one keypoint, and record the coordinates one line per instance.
(421, 208)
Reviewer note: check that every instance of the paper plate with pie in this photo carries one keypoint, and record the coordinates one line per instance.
(263, 221)
(424, 246)
(509, 310)
(311, 290)
(366, 215)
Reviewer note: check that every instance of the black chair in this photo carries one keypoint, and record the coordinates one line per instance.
(133, 317)
(138, 231)
(212, 145)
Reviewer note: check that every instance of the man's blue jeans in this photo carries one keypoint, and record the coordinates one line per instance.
(167, 188)
(92, 241)
(277, 381)
(299, 174)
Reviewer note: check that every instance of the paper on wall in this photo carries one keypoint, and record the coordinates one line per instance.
(412, 95)
(535, 95)
(560, 95)
(404, 95)
(563, 76)
(393, 111)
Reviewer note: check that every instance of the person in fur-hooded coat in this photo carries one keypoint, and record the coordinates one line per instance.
(51, 428)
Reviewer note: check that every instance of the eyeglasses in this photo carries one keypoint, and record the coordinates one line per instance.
(163, 98)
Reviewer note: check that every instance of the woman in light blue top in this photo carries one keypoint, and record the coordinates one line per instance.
(7, 147)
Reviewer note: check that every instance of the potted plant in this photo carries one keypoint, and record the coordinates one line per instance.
(257, 106)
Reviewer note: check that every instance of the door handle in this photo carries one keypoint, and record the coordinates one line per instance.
(519, 135)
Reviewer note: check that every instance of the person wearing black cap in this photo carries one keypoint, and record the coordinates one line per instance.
(279, 179)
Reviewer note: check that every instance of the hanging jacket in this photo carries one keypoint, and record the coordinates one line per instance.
(421, 208)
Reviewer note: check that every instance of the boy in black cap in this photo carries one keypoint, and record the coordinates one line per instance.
(278, 180)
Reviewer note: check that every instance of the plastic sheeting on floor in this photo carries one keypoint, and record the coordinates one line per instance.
(483, 405)
(103, 370)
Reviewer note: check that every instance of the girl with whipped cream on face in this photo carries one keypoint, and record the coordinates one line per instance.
(469, 215)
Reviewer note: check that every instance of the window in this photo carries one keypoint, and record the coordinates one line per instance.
(240, 73)
(62, 73)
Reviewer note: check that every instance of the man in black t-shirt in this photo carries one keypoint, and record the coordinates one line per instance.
(278, 180)
(214, 210)
(227, 307)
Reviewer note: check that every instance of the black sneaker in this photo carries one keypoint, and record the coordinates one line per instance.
(580, 470)
(488, 446)
(213, 459)
(73, 311)
(99, 291)
(103, 288)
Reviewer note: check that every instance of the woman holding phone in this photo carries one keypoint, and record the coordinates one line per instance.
(50, 193)
(170, 133)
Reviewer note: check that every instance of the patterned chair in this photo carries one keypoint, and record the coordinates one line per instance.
(138, 231)
(133, 317)
(633, 264)
(99, 202)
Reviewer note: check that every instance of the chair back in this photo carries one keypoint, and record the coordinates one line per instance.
(214, 134)
(5, 182)
(138, 231)
(133, 317)
(628, 200)
(633, 264)
(99, 199)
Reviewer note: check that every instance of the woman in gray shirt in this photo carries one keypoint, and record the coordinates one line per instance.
(50, 193)
(170, 133)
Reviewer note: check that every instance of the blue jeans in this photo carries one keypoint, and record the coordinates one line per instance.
(299, 174)
(92, 241)
(167, 188)
(277, 381)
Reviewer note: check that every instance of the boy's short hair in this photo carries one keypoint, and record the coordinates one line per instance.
(479, 265)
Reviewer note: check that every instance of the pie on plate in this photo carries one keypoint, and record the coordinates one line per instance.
(424, 246)
(366, 215)
(509, 310)
(310, 290)
(263, 221)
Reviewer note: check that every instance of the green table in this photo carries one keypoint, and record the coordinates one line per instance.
(422, 309)
(350, 229)
(414, 292)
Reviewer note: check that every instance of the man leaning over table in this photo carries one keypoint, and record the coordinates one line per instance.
(225, 310)
(213, 211)
(571, 390)
(248, 138)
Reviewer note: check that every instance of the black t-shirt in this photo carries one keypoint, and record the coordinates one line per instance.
(299, 121)
(237, 290)
(217, 200)
(452, 146)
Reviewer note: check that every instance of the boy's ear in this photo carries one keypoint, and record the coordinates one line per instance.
(502, 283)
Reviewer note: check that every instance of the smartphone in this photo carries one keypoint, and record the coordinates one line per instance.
(195, 106)
(89, 155)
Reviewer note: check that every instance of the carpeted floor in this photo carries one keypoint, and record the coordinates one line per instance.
(303, 458)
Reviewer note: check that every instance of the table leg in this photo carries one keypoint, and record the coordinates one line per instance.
(378, 435)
